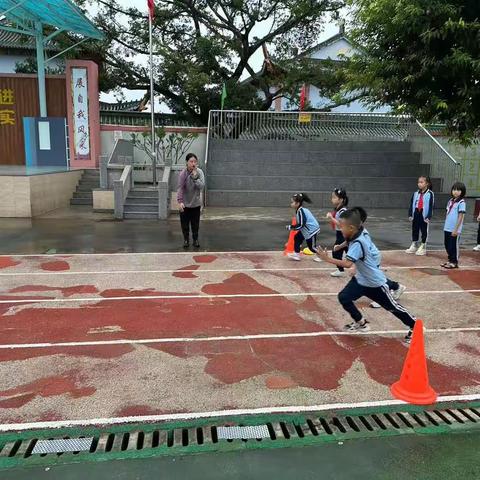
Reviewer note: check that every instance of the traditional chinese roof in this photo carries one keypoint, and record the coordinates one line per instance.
(270, 69)
(12, 40)
(134, 106)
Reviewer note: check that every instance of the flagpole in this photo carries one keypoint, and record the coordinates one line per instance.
(152, 101)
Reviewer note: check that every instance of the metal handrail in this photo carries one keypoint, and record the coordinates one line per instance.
(437, 143)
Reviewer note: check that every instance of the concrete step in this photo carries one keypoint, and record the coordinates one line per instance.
(141, 208)
(142, 193)
(387, 199)
(81, 201)
(83, 195)
(312, 146)
(85, 188)
(311, 183)
(140, 215)
(88, 181)
(326, 158)
(317, 169)
(141, 200)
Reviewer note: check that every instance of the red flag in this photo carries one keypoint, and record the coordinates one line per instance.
(303, 97)
(151, 7)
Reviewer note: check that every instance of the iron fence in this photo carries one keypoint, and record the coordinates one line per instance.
(325, 126)
(319, 126)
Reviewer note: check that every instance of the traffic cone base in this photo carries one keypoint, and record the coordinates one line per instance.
(290, 245)
(413, 386)
(427, 397)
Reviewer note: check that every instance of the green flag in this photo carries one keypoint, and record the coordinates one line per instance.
(224, 95)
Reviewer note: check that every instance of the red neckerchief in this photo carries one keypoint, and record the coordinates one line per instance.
(332, 223)
(451, 203)
(420, 201)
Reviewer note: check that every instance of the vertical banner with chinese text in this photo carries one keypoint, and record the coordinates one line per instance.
(81, 128)
(83, 113)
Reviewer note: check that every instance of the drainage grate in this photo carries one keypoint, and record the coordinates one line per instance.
(62, 445)
(243, 433)
(279, 430)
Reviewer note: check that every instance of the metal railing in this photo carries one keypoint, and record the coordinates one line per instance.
(323, 126)
(442, 164)
(319, 126)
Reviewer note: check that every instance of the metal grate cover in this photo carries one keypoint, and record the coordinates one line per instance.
(62, 445)
(238, 433)
(140, 441)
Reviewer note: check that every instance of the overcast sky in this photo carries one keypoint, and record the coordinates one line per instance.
(331, 28)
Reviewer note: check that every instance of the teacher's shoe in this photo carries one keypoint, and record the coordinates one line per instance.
(186, 244)
(196, 244)
(412, 249)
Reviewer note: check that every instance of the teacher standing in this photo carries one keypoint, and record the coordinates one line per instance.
(191, 183)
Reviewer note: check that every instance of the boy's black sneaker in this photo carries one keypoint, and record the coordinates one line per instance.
(196, 244)
(186, 244)
(408, 337)
(361, 326)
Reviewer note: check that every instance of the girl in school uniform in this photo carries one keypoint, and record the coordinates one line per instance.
(340, 203)
(477, 248)
(456, 209)
(307, 226)
(420, 214)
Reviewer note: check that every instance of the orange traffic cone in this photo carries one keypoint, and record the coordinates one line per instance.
(413, 386)
(290, 245)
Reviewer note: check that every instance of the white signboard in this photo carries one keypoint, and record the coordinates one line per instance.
(80, 113)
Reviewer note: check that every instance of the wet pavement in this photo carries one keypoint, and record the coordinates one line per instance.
(433, 457)
(213, 332)
(79, 230)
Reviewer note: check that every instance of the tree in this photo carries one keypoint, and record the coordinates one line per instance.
(199, 45)
(170, 148)
(29, 65)
(422, 57)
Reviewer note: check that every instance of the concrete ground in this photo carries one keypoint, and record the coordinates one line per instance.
(438, 457)
(79, 230)
(110, 336)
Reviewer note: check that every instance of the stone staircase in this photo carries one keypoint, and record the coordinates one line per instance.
(84, 193)
(376, 174)
(141, 203)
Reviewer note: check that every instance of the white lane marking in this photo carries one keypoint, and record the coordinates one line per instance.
(205, 296)
(219, 413)
(212, 270)
(62, 256)
(262, 336)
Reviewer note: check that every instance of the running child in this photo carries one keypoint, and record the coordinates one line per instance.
(396, 289)
(307, 226)
(456, 209)
(420, 213)
(369, 280)
(340, 203)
